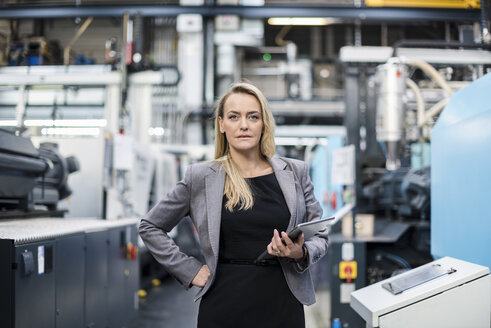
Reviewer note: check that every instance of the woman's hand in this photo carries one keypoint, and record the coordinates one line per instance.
(201, 277)
(291, 249)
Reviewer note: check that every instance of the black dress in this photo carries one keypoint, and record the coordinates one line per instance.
(246, 295)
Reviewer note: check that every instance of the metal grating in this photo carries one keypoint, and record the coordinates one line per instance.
(33, 230)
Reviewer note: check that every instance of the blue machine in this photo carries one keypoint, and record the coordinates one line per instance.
(321, 168)
(461, 176)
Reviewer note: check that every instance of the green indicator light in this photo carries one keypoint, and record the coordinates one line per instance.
(267, 57)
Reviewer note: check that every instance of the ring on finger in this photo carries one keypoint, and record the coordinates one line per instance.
(278, 253)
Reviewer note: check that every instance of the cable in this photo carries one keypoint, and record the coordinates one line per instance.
(399, 260)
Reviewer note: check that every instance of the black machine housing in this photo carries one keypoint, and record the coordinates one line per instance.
(32, 176)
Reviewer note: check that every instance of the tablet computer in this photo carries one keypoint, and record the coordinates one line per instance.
(309, 229)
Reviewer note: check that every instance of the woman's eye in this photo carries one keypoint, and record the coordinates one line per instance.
(254, 117)
(232, 117)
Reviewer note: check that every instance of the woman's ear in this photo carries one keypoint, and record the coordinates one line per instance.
(220, 124)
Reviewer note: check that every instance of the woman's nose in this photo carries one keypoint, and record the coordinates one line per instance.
(243, 124)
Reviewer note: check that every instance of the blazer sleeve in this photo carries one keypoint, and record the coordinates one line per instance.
(317, 245)
(159, 221)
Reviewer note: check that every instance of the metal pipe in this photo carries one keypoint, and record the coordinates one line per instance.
(366, 13)
(434, 44)
(279, 37)
(138, 39)
(485, 37)
(124, 72)
(81, 30)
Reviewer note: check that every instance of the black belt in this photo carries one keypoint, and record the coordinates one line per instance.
(250, 262)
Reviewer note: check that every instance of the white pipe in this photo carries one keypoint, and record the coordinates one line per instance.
(433, 73)
(433, 111)
(419, 100)
(20, 109)
(438, 107)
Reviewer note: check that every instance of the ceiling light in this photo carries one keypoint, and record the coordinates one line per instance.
(309, 21)
(61, 123)
(70, 132)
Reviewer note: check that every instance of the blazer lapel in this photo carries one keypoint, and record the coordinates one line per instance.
(286, 180)
(215, 182)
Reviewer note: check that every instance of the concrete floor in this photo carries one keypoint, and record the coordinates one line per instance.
(170, 306)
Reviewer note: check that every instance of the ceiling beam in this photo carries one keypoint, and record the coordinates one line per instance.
(349, 13)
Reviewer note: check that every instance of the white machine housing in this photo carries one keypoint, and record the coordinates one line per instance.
(460, 299)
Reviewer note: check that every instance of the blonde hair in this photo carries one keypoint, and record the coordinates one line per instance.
(237, 189)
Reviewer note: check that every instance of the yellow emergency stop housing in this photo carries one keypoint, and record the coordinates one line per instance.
(343, 265)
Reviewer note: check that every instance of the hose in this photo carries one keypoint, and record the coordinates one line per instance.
(430, 70)
(279, 37)
(419, 100)
(435, 110)
(397, 259)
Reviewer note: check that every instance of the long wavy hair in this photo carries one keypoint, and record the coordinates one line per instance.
(237, 189)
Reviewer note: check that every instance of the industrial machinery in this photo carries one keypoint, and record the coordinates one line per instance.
(72, 107)
(460, 211)
(68, 273)
(31, 176)
(78, 108)
(390, 113)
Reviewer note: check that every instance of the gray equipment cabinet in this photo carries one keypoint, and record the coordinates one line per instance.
(68, 273)
(444, 293)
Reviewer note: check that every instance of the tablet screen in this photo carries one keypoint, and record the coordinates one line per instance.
(309, 229)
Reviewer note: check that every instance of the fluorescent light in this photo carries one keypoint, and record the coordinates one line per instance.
(8, 123)
(39, 123)
(70, 131)
(310, 21)
(299, 141)
(89, 123)
(156, 131)
(82, 123)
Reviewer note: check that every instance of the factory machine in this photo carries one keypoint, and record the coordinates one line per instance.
(58, 267)
(31, 176)
(390, 118)
(75, 108)
(455, 289)
(57, 272)
(68, 272)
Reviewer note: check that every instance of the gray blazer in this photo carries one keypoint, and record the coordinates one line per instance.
(199, 195)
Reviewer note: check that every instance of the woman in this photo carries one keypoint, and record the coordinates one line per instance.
(241, 203)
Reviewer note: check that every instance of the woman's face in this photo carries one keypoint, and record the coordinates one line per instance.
(242, 122)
